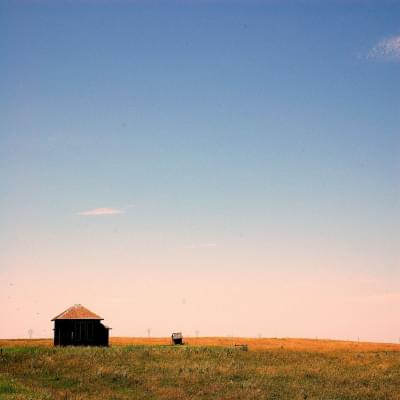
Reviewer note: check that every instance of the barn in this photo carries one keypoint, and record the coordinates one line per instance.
(78, 326)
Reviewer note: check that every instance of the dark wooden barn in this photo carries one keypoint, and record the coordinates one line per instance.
(79, 326)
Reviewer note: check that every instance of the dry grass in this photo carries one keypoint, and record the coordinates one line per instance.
(206, 368)
(321, 345)
(265, 344)
(25, 342)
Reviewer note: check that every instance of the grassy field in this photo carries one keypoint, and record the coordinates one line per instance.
(205, 368)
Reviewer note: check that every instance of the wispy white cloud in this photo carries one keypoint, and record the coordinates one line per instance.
(386, 49)
(100, 211)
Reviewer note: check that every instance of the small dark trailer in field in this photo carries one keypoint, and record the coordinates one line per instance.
(177, 338)
(79, 326)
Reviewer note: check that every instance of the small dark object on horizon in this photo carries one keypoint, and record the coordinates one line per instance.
(244, 347)
(177, 338)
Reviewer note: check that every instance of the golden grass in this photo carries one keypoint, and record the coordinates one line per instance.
(253, 343)
(26, 342)
(206, 368)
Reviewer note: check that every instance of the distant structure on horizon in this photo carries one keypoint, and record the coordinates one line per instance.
(78, 326)
(177, 338)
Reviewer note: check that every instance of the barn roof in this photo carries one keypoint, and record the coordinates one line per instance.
(77, 311)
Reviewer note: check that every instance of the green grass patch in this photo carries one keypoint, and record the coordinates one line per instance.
(185, 372)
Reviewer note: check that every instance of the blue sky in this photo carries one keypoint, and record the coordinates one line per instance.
(218, 139)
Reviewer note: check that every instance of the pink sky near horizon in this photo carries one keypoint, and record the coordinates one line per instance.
(210, 290)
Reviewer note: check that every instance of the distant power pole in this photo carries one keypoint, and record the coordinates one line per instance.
(30, 333)
(148, 332)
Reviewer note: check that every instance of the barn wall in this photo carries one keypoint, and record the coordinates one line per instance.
(80, 333)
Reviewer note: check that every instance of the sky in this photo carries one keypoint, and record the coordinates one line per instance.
(221, 168)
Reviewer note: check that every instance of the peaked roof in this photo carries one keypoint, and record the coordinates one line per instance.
(77, 311)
